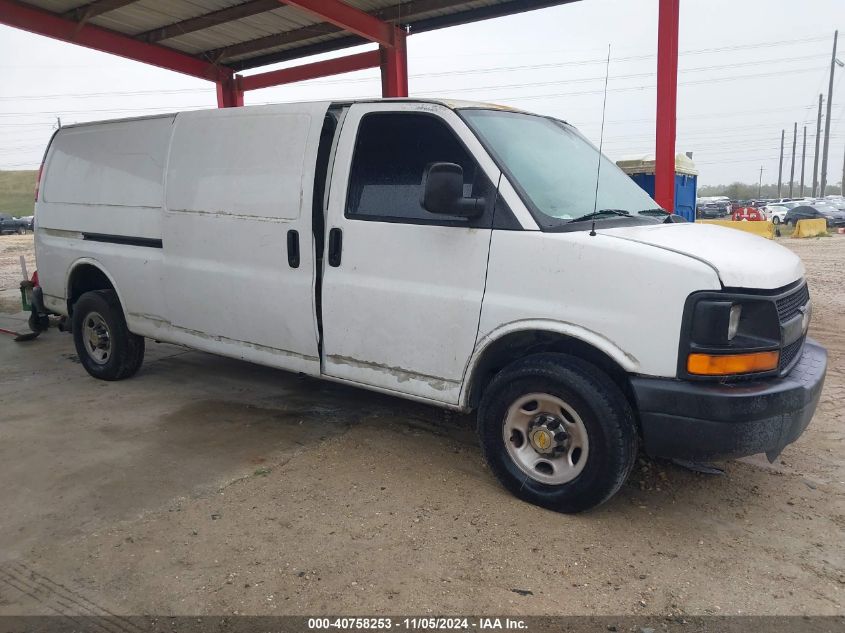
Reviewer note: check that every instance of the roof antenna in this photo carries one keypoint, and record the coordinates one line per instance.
(601, 142)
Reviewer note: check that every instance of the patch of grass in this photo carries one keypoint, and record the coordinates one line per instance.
(17, 191)
(261, 472)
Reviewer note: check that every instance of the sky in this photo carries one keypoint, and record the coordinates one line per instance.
(747, 70)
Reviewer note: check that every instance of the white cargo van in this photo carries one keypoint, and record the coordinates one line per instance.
(453, 253)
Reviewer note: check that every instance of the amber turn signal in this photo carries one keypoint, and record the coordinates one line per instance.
(728, 364)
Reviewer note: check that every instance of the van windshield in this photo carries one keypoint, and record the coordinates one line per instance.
(554, 168)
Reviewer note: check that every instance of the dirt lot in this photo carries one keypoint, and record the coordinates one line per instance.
(11, 249)
(209, 486)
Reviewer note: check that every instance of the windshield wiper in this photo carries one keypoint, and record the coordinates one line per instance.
(596, 214)
(654, 212)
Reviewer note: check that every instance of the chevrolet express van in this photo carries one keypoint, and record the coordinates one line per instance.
(457, 254)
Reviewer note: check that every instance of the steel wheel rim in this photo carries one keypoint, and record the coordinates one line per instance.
(528, 421)
(96, 338)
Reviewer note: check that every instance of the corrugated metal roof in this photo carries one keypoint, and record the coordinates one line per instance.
(249, 33)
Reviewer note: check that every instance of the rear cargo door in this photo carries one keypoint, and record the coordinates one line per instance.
(237, 232)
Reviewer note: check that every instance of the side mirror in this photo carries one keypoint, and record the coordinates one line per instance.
(443, 192)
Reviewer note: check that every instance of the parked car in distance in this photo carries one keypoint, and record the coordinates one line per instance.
(832, 216)
(791, 204)
(837, 202)
(30, 221)
(775, 212)
(8, 224)
(447, 252)
(712, 210)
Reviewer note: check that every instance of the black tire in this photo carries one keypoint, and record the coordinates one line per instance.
(21, 230)
(775, 220)
(125, 350)
(601, 405)
(788, 222)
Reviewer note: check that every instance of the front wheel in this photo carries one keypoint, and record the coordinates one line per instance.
(776, 220)
(21, 230)
(106, 347)
(557, 432)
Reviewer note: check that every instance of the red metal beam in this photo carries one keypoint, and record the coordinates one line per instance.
(350, 63)
(49, 24)
(667, 97)
(230, 92)
(348, 18)
(394, 68)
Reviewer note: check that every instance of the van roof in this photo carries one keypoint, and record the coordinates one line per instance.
(453, 104)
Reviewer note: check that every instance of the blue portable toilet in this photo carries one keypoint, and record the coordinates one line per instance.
(641, 170)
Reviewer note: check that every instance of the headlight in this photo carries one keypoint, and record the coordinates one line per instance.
(733, 320)
(727, 334)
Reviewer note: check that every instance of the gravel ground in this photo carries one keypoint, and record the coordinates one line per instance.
(209, 486)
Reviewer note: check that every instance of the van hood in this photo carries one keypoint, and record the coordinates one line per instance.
(741, 260)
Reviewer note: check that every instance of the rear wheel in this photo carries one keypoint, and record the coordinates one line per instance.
(775, 220)
(21, 230)
(557, 432)
(106, 347)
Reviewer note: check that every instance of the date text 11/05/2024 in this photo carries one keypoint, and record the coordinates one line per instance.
(425, 623)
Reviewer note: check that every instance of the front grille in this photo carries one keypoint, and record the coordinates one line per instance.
(788, 306)
(789, 353)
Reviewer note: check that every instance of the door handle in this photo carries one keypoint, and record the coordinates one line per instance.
(293, 249)
(335, 247)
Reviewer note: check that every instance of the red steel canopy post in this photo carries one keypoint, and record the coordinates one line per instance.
(394, 67)
(230, 92)
(667, 98)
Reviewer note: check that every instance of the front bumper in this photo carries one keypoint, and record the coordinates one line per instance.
(705, 421)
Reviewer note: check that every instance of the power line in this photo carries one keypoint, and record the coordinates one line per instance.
(444, 93)
(494, 69)
(652, 86)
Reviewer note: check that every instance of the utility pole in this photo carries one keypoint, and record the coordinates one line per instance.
(780, 164)
(827, 119)
(803, 157)
(760, 183)
(792, 167)
(816, 155)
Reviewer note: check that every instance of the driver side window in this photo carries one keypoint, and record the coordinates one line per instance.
(392, 151)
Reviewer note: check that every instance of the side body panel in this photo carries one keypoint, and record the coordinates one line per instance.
(104, 179)
(624, 298)
(401, 311)
(238, 181)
